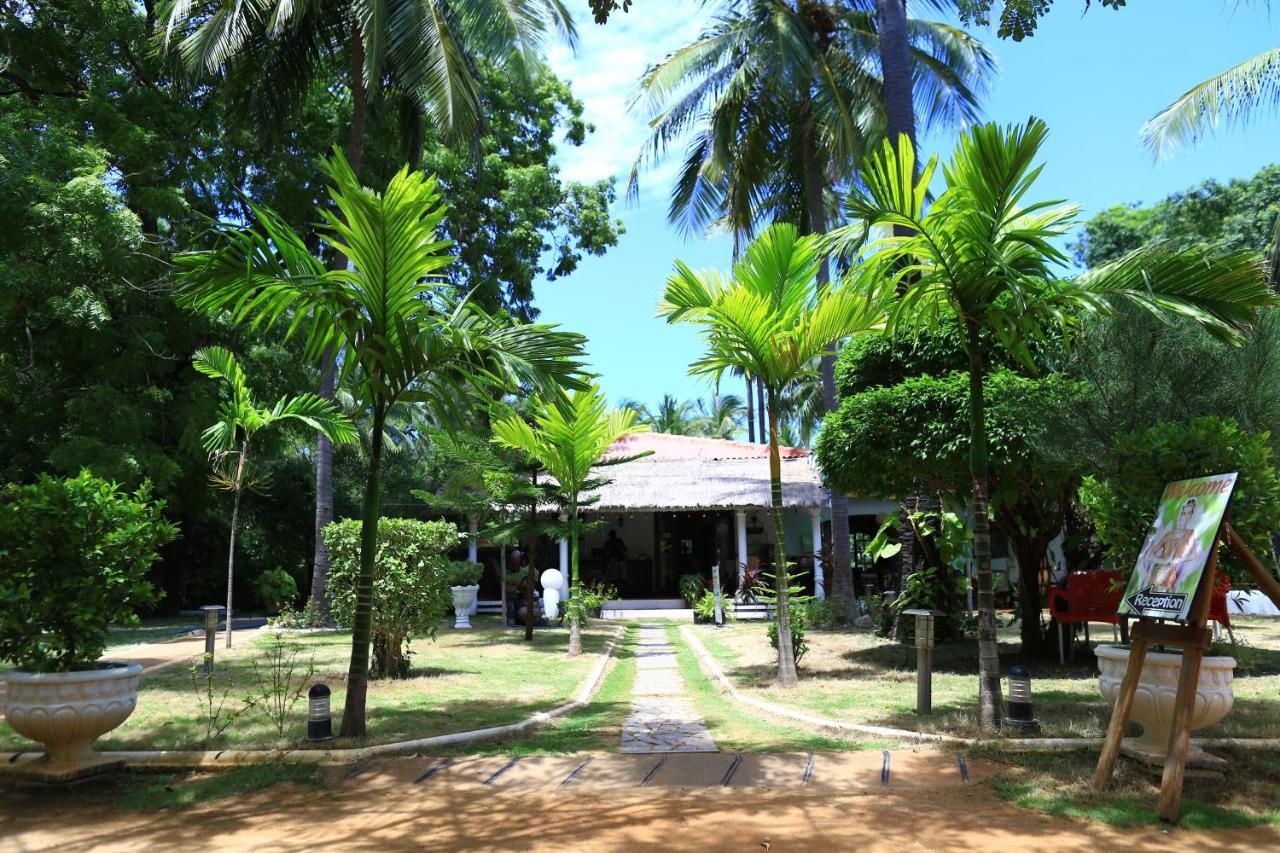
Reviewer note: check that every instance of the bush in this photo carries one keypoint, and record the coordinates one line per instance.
(705, 607)
(74, 555)
(463, 573)
(826, 613)
(410, 589)
(798, 643)
(934, 588)
(277, 590)
(1122, 505)
(586, 600)
(691, 587)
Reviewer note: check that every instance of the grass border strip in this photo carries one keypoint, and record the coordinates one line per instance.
(199, 759)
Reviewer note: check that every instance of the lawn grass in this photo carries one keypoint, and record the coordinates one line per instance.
(736, 728)
(857, 677)
(464, 680)
(1061, 783)
(155, 630)
(595, 727)
(178, 791)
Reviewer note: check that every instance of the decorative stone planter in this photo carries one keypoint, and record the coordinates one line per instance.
(1153, 701)
(68, 711)
(463, 598)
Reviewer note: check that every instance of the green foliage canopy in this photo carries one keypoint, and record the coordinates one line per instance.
(1123, 501)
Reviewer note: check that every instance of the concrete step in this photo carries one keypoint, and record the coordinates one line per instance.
(682, 615)
(645, 604)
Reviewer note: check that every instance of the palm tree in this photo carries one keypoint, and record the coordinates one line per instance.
(404, 338)
(1228, 98)
(568, 438)
(275, 50)
(770, 320)
(782, 102)
(984, 257)
(674, 417)
(719, 416)
(240, 419)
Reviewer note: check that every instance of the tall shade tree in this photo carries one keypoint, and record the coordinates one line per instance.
(273, 51)
(985, 257)
(779, 102)
(1231, 97)
(403, 338)
(569, 436)
(771, 321)
(240, 418)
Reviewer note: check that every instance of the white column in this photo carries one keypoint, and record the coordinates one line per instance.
(740, 521)
(819, 581)
(472, 537)
(564, 561)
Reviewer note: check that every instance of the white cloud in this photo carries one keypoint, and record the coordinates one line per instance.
(603, 74)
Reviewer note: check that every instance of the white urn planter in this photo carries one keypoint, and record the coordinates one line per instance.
(1154, 698)
(68, 711)
(463, 598)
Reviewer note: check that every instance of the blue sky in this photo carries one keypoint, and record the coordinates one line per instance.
(1094, 77)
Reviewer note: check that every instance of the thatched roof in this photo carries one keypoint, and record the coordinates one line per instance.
(687, 473)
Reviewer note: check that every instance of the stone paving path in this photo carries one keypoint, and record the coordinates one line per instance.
(662, 717)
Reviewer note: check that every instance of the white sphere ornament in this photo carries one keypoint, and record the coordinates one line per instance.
(551, 602)
(552, 579)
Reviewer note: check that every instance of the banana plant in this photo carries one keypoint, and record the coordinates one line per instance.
(240, 418)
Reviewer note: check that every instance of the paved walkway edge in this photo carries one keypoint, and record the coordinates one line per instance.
(185, 759)
(710, 664)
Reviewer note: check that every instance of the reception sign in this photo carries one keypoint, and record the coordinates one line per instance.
(1173, 557)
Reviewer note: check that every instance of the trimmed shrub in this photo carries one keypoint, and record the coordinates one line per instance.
(74, 555)
(410, 584)
(277, 590)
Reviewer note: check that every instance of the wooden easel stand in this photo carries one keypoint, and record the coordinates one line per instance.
(1193, 638)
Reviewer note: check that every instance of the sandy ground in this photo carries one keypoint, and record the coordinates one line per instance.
(367, 812)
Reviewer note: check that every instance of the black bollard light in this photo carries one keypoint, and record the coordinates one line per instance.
(319, 718)
(1021, 713)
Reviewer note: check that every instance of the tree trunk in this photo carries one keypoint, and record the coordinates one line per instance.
(895, 68)
(1030, 553)
(318, 605)
(760, 410)
(575, 623)
(990, 702)
(786, 654)
(532, 577)
(353, 716)
(751, 410)
(840, 570)
(235, 522)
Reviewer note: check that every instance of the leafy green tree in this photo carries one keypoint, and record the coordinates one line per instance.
(781, 103)
(1121, 498)
(240, 418)
(672, 416)
(568, 438)
(403, 339)
(1018, 18)
(983, 256)
(771, 321)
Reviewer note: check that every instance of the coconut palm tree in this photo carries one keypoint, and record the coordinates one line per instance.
(719, 416)
(404, 338)
(985, 256)
(781, 101)
(240, 418)
(1232, 97)
(672, 416)
(273, 51)
(770, 320)
(568, 439)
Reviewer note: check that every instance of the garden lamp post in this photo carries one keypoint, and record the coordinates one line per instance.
(924, 659)
(212, 613)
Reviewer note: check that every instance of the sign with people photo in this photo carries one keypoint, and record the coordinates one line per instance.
(1173, 557)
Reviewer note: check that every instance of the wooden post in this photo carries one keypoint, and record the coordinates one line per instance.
(1265, 579)
(1175, 763)
(1124, 706)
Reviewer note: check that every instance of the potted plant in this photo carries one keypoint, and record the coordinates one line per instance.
(691, 587)
(1154, 699)
(464, 583)
(75, 554)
